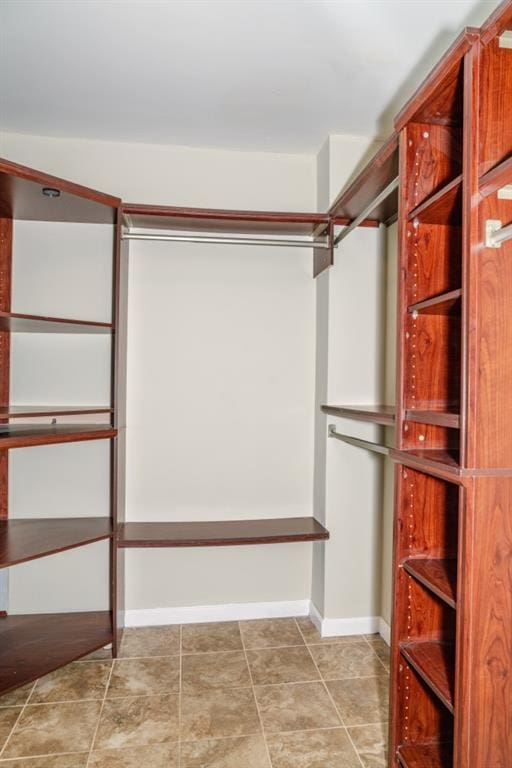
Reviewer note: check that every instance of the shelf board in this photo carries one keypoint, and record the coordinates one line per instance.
(436, 418)
(221, 533)
(33, 411)
(442, 207)
(24, 435)
(21, 198)
(444, 461)
(434, 661)
(378, 414)
(20, 323)
(443, 304)
(425, 755)
(27, 539)
(498, 177)
(33, 645)
(438, 575)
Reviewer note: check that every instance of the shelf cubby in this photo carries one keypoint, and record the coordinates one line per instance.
(446, 303)
(434, 661)
(439, 575)
(425, 755)
(26, 435)
(442, 207)
(377, 414)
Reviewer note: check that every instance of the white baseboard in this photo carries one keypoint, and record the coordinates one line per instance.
(197, 614)
(385, 631)
(365, 625)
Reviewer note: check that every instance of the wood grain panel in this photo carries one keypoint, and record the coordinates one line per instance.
(434, 159)
(495, 100)
(6, 235)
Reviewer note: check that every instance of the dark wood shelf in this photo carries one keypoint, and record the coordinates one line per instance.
(442, 207)
(378, 414)
(498, 177)
(20, 323)
(436, 418)
(21, 197)
(33, 411)
(444, 304)
(27, 539)
(445, 461)
(439, 576)
(425, 755)
(24, 435)
(221, 533)
(434, 661)
(35, 644)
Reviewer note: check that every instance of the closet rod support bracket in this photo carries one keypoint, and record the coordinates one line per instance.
(496, 233)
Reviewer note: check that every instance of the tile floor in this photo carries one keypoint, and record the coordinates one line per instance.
(248, 694)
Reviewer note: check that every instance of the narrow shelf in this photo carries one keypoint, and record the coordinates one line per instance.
(445, 461)
(378, 414)
(33, 645)
(434, 661)
(221, 533)
(442, 207)
(498, 177)
(440, 576)
(28, 411)
(444, 304)
(24, 435)
(436, 418)
(27, 539)
(20, 323)
(425, 755)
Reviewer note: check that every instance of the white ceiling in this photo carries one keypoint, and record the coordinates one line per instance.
(276, 75)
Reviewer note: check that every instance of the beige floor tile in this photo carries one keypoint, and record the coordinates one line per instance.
(211, 638)
(313, 636)
(218, 714)
(77, 760)
(243, 752)
(361, 700)
(346, 660)
(102, 654)
(150, 641)
(381, 648)
(8, 717)
(282, 665)
(155, 756)
(209, 671)
(72, 683)
(313, 749)
(270, 633)
(137, 721)
(47, 729)
(145, 677)
(18, 697)
(295, 707)
(371, 744)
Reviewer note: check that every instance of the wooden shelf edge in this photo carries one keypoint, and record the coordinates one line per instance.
(40, 411)
(378, 414)
(435, 199)
(443, 301)
(436, 418)
(437, 575)
(436, 462)
(27, 435)
(431, 755)
(17, 322)
(414, 652)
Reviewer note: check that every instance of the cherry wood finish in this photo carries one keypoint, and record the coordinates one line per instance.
(378, 414)
(27, 539)
(439, 575)
(439, 418)
(25, 435)
(221, 533)
(34, 645)
(22, 323)
(433, 661)
(443, 304)
(425, 756)
(443, 207)
(499, 176)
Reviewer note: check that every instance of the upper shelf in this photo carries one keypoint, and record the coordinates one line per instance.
(378, 414)
(20, 323)
(22, 197)
(373, 179)
(25, 435)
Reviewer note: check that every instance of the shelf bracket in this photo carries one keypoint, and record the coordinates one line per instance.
(496, 233)
(505, 193)
(505, 39)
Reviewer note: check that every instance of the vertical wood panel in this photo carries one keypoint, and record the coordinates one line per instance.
(6, 232)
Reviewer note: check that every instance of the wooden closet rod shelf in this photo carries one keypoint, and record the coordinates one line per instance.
(378, 414)
(425, 755)
(442, 304)
(434, 661)
(438, 575)
(21, 323)
(25, 435)
(221, 533)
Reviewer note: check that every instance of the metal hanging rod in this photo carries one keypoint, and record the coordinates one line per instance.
(496, 234)
(386, 192)
(384, 449)
(172, 237)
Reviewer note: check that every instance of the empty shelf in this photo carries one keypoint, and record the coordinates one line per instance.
(19, 323)
(221, 533)
(440, 576)
(24, 435)
(444, 461)
(33, 645)
(436, 418)
(444, 304)
(434, 661)
(28, 411)
(378, 414)
(442, 207)
(27, 539)
(425, 755)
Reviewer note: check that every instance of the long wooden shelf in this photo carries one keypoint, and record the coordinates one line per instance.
(425, 755)
(437, 418)
(35, 644)
(378, 414)
(21, 323)
(442, 207)
(434, 661)
(438, 575)
(25, 435)
(447, 303)
(27, 539)
(221, 533)
(33, 411)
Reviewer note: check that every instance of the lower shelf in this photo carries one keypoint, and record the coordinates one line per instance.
(425, 756)
(34, 644)
(434, 661)
(221, 533)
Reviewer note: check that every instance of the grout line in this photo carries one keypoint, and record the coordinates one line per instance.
(333, 703)
(100, 714)
(255, 699)
(180, 696)
(17, 719)
(376, 654)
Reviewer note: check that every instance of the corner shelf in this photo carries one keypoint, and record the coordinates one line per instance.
(425, 755)
(33, 645)
(433, 660)
(378, 414)
(24, 539)
(444, 304)
(442, 207)
(21, 323)
(25, 435)
(221, 533)
(438, 575)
